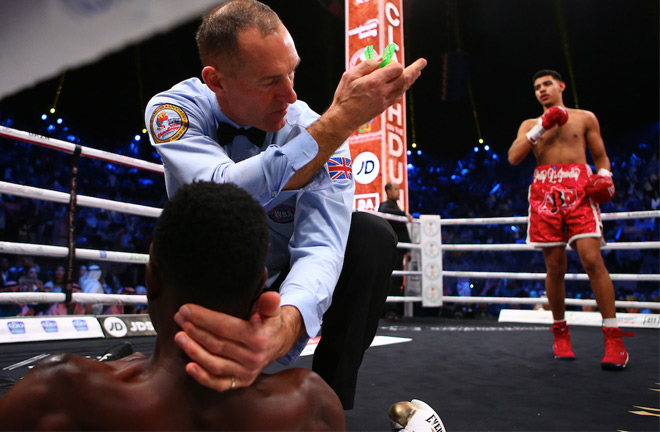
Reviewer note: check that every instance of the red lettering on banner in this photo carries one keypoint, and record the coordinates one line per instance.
(385, 135)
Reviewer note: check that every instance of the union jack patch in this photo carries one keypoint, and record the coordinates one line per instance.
(340, 168)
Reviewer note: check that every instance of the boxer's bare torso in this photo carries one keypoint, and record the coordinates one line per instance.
(565, 144)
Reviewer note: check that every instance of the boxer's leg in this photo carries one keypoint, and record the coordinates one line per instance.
(555, 267)
(592, 261)
(555, 263)
(616, 356)
(350, 324)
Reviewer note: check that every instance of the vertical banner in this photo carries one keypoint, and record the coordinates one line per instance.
(431, 242)
(378, 147)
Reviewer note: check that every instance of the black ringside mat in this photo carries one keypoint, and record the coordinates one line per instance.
(478, 376)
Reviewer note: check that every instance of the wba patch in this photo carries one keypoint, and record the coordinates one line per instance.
(282, 214)
(340, 168)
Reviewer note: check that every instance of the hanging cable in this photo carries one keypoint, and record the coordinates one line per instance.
(563, 31)
(140, 88)
(453, 5)
(57, 93)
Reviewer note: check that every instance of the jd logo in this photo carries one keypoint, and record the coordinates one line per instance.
(366, 167)
(115, 327)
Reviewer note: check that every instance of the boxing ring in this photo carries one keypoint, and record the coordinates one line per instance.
(474, 352)
(419, 247)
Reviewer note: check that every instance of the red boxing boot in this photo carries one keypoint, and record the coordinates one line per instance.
(562, 345)
(616, 357)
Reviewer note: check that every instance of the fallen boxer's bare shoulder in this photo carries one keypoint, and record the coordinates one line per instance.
(54, 395)
(293, 399)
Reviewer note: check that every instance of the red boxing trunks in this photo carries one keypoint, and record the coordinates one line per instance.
(559, 209)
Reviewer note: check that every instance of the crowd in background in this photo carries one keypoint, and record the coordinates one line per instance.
(483, 184)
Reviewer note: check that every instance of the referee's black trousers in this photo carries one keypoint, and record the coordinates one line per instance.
(350, 324)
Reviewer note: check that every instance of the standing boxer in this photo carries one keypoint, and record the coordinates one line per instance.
(563, 207)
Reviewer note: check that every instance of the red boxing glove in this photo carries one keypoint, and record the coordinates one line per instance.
(554, 116)
(600, 187)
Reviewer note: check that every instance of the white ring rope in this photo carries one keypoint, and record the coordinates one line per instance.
(523, 219)
(85, 201)
(62, 252)
(519, 220)
(529, 276)
(527, 300)
(526, 247)
(89, 152)
(84, 298)
(541, 276)
(124, 299)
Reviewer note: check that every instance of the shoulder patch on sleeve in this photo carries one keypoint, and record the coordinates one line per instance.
(168, 123)
(340, 168)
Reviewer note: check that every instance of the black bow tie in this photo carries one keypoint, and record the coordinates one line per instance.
(227, 133)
